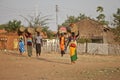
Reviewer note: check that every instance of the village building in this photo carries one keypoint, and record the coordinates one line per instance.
(94, 31)
(9, 40)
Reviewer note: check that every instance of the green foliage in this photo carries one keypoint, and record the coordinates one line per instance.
(101, 16)
(73, 19)
(70, 19)
(81, 16)
(116, 31)
(103, 22)
(49, 33)
(13, 26)
(39, 21)
(100, 9)
(117, 18)
(116, 23)
(2, 26)
(35, 21)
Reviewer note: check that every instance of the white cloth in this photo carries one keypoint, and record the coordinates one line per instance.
(38, 39)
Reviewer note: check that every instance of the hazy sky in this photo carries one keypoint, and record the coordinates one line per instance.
(12, 9)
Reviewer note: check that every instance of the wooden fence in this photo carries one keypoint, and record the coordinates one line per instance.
(89, 48)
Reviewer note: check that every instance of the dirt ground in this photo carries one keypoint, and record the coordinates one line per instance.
(51, 66)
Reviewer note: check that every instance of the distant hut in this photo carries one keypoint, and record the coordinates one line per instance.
(95, 31)
(7, 40)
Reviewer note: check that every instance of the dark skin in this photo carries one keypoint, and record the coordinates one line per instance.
(38, 34)
(62, 52)
(28, 35)
(73, 35)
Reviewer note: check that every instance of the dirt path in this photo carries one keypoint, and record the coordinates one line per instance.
(54, 67)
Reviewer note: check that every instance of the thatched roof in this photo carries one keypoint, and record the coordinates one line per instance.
(92, 29)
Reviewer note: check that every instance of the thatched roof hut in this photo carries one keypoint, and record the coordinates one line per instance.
(93, 30)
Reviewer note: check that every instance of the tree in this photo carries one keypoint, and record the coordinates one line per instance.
(70, 19)
(2, 26)
(35, 21)
(117, 18)
(116, 23)
(100, 9)
(13, 26)
(39, 21)
(48, 32)
(73, 19)
(81, 16)
(101, 16)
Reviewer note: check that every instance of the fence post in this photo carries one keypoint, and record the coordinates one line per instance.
(86, 46)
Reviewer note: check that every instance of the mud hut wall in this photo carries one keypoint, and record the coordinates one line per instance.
(9, 42)
(2, 42)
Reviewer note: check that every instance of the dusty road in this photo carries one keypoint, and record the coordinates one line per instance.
(54, 67)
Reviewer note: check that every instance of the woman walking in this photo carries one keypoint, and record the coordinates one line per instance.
(73, 46)
(62, 44)
(29, 41)
(21, 44)
(39, 43)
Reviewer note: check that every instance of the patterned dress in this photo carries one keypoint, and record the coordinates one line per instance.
(62, 45)
(21, 44)
(29, 44)
(73, 48)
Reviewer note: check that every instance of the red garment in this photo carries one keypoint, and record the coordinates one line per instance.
(29, 39)
(62, 43)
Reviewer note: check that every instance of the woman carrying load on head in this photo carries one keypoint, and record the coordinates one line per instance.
(73, 46)
(39, 44)
(29, 41)
(62, 44)
(21, 43)
(72, 43)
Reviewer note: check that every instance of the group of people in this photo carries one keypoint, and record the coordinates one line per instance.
(64, 43)
(72, 43)
(28, 39)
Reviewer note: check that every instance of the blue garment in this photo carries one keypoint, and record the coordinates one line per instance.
(21, 46)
